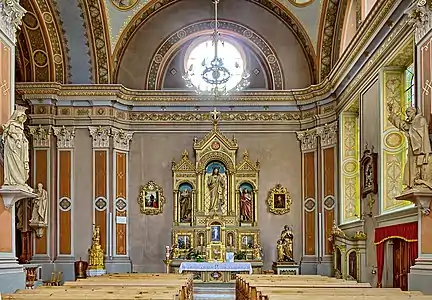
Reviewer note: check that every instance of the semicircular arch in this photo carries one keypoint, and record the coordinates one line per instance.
(168, 48)
(215, 156)
(155, 7)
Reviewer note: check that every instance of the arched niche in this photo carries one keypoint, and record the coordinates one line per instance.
(133, 65)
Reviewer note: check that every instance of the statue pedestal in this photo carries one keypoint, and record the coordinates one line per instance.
(286, 268)
(420, 275)
(12, 194)
(94, 272)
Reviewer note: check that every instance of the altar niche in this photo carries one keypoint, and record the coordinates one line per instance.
(215, 203)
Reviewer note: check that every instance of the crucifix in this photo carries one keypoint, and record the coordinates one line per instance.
(214, 115)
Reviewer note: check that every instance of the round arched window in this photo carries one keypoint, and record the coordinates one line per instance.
(202, 53)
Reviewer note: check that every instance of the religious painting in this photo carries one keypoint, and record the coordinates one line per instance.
(151, 199)
(215, 233)
(230, 239)
(185, 202)
(216, 188)
(247, 241)
(124, 4)
(279, 200)
(369, 172)
(246, 203)
(184, 241)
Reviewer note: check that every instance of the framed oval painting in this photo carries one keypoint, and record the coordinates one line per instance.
(124, 4)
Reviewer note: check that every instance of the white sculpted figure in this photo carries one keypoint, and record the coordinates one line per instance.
(40, 206)
(417, 171)
(216, 185)
(16, 151)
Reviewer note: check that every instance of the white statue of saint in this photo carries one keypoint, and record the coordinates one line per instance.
(416, 129)
(16, 151)
(40, 206)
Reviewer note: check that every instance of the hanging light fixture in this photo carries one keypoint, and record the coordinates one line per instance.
(215, 73)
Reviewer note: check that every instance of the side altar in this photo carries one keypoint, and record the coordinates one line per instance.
(215, 204)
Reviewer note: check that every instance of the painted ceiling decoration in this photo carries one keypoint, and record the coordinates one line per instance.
(124, 4)
(42, 47)
(104, 66)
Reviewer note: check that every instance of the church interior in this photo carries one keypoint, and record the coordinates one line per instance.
(232, 142)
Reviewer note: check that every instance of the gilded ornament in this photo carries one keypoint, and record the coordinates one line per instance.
(359, 236)
(279, 200)
(124, 4)
(96, 253)
(151, 199)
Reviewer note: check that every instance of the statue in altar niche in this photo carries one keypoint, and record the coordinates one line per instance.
(185, 201)
(216, 186)
(285, 245)
(246, 203)
(417, 171)
(16, 151)
(96, 254)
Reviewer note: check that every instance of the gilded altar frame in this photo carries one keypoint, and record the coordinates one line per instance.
(151, 199)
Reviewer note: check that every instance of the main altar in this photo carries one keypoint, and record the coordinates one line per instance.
(215, 206)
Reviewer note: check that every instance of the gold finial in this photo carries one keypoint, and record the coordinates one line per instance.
(185, 154)
(245, 154)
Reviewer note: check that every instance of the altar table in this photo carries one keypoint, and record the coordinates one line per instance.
(215, 271)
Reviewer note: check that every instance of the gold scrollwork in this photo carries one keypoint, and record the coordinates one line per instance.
(151, 199)
(279, 200)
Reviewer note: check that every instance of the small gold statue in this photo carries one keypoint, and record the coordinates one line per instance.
(285, 245)
(96, 254)
(256, 254)
(174, 252)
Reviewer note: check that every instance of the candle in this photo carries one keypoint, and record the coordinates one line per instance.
(167, 251)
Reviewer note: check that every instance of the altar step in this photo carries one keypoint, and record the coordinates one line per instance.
(215, 291)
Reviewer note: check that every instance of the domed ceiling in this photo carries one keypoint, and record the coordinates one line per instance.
(291, 42)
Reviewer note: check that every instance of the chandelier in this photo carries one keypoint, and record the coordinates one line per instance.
(215, 73)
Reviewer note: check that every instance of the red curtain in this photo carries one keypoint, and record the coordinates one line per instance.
(407, 232)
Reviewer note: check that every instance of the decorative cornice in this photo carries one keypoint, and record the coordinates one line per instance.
(121, 139)
(328, 134)
(100, 136)
(65, 137)
(11, 14)
(420, 15)
(41, 136)
(308, 140)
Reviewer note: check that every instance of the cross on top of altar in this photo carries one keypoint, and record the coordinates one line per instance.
(215, 115)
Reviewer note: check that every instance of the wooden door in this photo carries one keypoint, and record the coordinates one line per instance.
(401, 264)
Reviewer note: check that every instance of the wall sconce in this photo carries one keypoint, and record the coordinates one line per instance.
(374, 270)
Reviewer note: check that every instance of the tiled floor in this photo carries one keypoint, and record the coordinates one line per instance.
(216, 291)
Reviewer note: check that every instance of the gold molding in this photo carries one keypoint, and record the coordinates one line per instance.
(151, 199)
(285, 198)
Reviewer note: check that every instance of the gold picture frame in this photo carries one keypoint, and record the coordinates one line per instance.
(279, 200)
(151, 199)
(124, 4)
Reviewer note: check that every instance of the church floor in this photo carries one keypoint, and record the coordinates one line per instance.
(216, 291)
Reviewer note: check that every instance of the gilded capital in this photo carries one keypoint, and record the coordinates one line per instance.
(65, 137)
(308, 139)
(41, 136)
(100, 136)
(328, 134)
(121, 139)
(11, 14)
(420, 17)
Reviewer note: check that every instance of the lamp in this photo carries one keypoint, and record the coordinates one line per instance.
(215, 73)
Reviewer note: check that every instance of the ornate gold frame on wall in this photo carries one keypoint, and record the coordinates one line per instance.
(283, 195)
(151, 199)
(368, 172)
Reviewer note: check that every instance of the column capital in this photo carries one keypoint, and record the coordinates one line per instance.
(41, 136)
(308, 139)
(420, 17)
(11, 14)
(328, 134)
(100, 136)
(121, 138)
(65, 137)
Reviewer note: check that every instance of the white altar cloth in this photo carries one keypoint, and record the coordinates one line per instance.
(216, 266)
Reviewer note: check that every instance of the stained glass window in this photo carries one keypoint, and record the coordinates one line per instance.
(410, 86)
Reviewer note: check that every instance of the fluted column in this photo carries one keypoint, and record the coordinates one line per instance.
(11, 274)
(308, 144)
(101, 208)
(120, 224)
(65, 200)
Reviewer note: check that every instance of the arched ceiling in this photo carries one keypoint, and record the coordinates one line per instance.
(93, 32)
